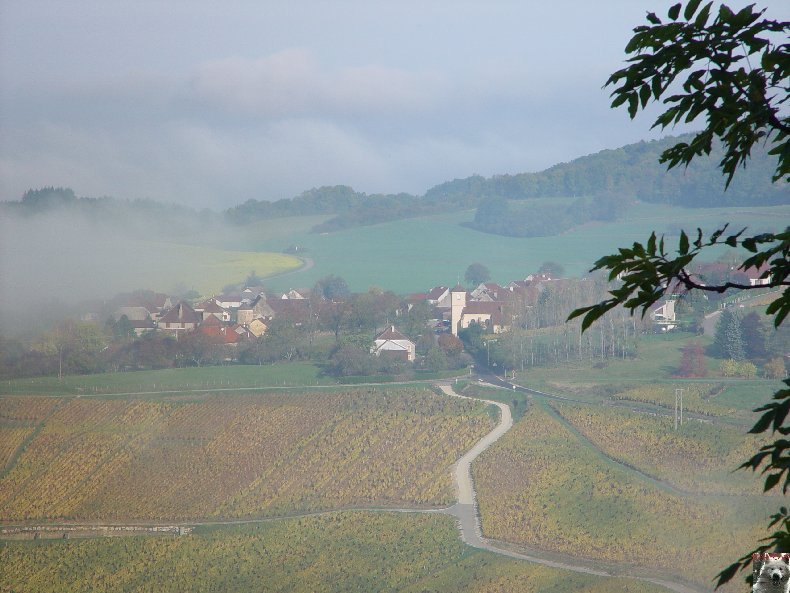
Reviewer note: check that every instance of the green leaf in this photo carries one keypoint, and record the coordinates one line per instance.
(651, 244)
(683, 248)
(633, 105)
(674, 12)
(770, 481)
(704, 14)
(762, 424)
(698, 240)
(651, 16)
(644, 94)
(725, 576)
(691, 8)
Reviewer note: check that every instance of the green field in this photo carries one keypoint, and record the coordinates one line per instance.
(416, 254)
(336, 552)
(295, 374)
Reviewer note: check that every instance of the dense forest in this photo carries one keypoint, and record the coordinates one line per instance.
(604, 184)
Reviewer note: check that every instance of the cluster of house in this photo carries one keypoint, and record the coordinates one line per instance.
(236, 317)
(230, 317)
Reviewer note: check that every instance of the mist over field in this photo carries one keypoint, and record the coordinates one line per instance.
(54, 260)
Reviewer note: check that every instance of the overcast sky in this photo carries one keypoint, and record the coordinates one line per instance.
(213, 103)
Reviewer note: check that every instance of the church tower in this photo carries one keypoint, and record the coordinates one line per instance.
(457, 304)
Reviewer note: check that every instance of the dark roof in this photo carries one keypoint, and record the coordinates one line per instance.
(210, 306)
(391, 334)
(458, 288)
(181, 313)
(493, 308)
(152, 301)
(484, 307)
(436, 292)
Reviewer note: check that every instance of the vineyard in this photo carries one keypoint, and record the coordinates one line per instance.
(543, 487)
(237, 455)
(336, 552)
(19, 419)
(698, 398)
(698, 457)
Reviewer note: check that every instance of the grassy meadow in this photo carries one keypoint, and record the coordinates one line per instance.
(416, 254)
(293, 374)
(336, 552)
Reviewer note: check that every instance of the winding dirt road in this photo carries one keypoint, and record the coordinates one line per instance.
(466, 511)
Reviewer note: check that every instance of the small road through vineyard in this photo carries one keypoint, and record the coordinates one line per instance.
(465, 510)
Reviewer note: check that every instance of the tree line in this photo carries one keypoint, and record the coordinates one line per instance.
(608, 181)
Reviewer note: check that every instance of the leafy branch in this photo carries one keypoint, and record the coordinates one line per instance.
(742, 104)
(729, 69)
(647, 271)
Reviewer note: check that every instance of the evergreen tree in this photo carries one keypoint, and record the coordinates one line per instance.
(728, 340)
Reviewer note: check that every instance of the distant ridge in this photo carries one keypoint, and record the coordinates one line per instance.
(628, 173)
(610, 177)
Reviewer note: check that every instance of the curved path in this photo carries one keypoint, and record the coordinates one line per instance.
(466, 510)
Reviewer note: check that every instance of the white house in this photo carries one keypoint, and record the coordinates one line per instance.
(391, 342)
(756, 275)
(439, 296)
(664, 315)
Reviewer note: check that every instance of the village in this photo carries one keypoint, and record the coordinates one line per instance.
(499, 327)
(395, 325)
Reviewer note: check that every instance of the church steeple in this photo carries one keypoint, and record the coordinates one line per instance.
(457, 304)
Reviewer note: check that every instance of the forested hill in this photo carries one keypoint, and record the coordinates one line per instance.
(605, 182)
(631, 172)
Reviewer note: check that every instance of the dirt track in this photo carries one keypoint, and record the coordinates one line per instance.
(466, 511)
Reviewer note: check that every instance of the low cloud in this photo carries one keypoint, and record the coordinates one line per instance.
(271, 127)
(293, 83)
